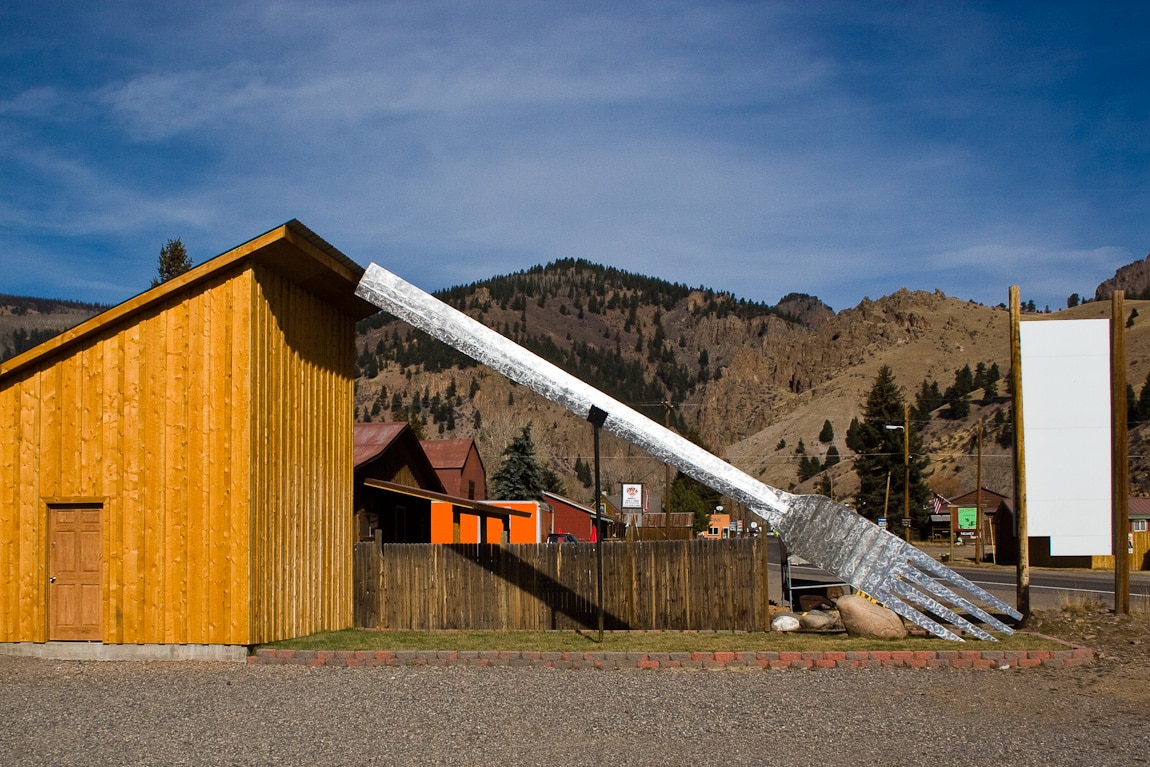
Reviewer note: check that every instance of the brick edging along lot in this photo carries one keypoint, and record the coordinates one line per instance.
(958, 659)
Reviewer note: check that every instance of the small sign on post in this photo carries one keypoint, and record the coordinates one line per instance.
(632, 495)
(968, 518)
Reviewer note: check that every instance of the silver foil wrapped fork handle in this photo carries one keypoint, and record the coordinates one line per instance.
(815, 528)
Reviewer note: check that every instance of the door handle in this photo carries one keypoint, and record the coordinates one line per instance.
(52, 579)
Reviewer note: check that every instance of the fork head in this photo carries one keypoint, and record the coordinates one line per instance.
(912, 584)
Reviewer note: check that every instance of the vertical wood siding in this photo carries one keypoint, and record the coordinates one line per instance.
(665, 585)
(302, 515)
(149, 419)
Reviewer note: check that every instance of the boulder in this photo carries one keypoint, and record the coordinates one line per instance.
(785, 622)
(863, 618)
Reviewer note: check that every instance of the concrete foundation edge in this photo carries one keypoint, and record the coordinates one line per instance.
(126, 652)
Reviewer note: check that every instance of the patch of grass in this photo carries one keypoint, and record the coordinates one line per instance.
(1078, 604)
(641, 641)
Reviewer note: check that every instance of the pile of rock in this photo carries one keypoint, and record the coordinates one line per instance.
(858, 616)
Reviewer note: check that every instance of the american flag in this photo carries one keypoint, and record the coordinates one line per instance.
(940, 504)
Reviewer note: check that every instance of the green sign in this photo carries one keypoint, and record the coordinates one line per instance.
(968, 518)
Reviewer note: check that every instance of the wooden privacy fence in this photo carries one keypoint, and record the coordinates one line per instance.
(677, 585)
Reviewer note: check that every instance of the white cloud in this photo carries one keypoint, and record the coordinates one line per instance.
(758, 148)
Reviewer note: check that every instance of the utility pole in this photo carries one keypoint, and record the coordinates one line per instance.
(1022, 572)
(1120, 467)
(978, 496)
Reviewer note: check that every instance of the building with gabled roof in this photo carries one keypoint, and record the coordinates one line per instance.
(459, 466)
(400, 498)
(179, 468)
(391, 453)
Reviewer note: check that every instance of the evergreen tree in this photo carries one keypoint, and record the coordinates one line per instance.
(832, 457)
(689, 495)
(520, 477)
(825, 487)
(808, 467)
(957, 406)
(927, 400)
(828, 432)
(1142, 409)
(990, 391)
(174, 261)
(879, 453)
(583, 472)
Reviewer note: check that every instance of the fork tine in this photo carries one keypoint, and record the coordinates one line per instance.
(924, 562)
(871, 559)
(909, 592)
(929, 584)
(888, 599)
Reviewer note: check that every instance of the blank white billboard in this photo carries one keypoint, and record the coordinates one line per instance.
(1067, 432)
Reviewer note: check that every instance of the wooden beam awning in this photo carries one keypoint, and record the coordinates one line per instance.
(477, 508)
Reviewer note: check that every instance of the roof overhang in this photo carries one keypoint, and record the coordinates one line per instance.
(477, 508)
(291, 249)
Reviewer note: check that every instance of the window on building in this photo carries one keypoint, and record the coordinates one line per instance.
(1139, 525)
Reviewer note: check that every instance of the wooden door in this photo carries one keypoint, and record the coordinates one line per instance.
(75, 546)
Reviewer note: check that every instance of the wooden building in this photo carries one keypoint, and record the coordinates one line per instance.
(390, 453)
(718, 527)
(458, 465)
(1137, 542)
(178, 469)
(400, 497)
(457, 520)
(971, 518)
(574, 518)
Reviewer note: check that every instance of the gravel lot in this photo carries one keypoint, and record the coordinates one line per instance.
(101, 713)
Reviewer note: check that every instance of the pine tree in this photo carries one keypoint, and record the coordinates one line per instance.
(808, 467)
(832, 457)
(927, 400)
(520, 477)
(174, 261)
(1142, 409)
(689, 495)
(828, 432)
(879, 453)
(583, 472)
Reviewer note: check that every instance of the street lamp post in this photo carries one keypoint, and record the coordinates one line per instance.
(905, 429)
(598, 417)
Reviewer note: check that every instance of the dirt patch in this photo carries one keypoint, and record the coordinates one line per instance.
(1120, 671)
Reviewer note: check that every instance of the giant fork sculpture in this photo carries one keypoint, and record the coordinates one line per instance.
(830, 536)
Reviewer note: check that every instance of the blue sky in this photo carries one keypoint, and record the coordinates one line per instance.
(844, 150)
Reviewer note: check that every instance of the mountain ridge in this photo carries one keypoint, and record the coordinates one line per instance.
(750, 381)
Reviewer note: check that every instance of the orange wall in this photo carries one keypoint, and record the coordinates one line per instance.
(523, 529)
(441, 525)
(533, 529)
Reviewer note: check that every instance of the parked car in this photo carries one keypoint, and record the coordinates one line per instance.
(562, 538)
